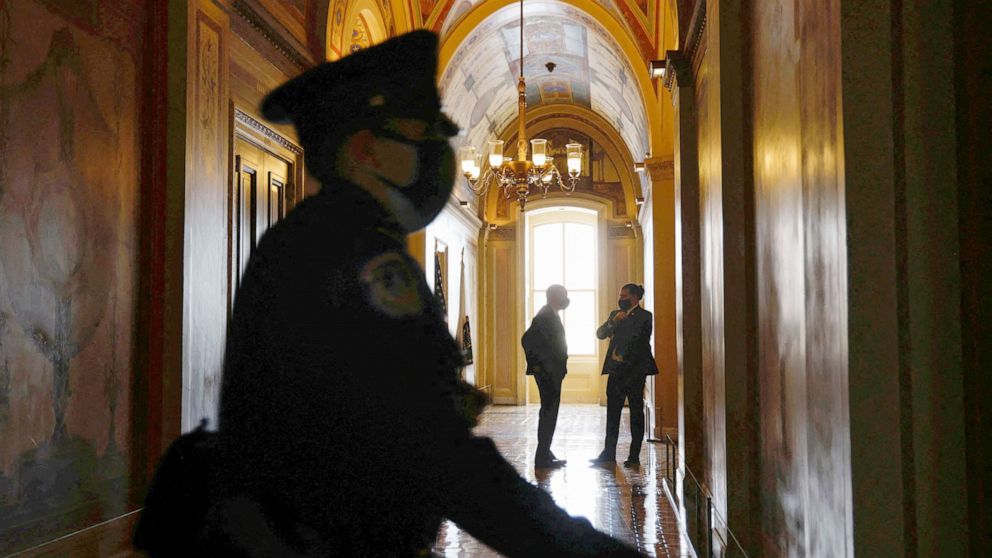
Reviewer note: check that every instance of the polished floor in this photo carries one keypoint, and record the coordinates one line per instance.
(629, 504)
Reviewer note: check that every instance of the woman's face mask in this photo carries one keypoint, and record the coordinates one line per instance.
(625, 304)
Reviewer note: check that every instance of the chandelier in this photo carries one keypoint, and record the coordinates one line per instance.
(520, 175)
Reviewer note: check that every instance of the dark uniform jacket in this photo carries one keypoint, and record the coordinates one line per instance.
(630, 343)
(544, 345)
(342, 419)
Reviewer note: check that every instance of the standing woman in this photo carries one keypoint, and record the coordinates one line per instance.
(628, 362)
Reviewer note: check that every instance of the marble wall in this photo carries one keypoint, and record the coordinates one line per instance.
(71, 146)
(801, 252)
(765, 408)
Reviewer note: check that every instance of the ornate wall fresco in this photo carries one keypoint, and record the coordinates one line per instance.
(69, 167)
(478, 88)
(359, 35)
(341, 31)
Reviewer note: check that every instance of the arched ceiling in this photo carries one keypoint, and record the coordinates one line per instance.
(462, 7)
(478, 86)
(638, 16)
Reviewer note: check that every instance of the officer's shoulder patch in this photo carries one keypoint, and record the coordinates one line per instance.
(391, 285)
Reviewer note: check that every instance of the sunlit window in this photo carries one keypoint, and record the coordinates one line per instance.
(564, 252)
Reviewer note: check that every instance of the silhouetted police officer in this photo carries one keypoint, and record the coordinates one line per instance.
(344, 429)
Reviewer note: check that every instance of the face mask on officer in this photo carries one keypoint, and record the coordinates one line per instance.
(420, 176)
(624, 304)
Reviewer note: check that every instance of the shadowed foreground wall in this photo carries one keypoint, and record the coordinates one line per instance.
(772, 274)
(862, 360)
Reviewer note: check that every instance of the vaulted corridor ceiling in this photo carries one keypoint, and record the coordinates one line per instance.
(479, 84)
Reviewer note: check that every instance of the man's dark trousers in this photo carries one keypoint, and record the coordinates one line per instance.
(550, 389)
(624, 384)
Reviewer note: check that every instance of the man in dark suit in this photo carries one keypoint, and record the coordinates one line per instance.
(344, 427)
(547, 355)
(628, 362)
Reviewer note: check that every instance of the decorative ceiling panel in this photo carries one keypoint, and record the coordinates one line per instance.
(341, 32)
(638, 16)
(479, 84)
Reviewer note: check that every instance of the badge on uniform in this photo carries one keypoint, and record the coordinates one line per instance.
(391, 286)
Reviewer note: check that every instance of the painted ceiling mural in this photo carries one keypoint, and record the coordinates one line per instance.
(341, 34)
(478, 87)
(637, 15)
(359, 35)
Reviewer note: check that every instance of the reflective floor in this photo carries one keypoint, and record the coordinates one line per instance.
(629, 504)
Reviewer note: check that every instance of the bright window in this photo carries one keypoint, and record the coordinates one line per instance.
(563, 251)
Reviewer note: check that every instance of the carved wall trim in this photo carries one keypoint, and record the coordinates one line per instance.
(503, 234)
(660, 169)
(681, 60)
(620, 231)
(696, 27)
(465, 215)
(253, 16)
(269, 133)
(682, 75)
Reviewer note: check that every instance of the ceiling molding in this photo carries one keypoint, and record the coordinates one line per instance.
(696, 28)
(259, 127)
(465, 214)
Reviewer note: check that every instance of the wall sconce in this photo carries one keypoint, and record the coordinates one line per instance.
(639, 167)
(656, 68)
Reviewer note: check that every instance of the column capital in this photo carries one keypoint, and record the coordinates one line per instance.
(660, 168)
(678, 70)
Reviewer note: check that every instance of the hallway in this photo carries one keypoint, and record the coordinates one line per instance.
(629, 504)
(801, 190)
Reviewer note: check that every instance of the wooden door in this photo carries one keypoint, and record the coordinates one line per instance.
(262, 193)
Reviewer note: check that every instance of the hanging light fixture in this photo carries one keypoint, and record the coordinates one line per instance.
(518, 176)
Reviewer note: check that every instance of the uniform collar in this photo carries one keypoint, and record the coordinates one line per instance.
(362, 206)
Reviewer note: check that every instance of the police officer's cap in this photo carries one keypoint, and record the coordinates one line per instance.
(394, 79)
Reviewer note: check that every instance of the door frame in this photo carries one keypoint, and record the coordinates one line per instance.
(246, 127)
(523, 275)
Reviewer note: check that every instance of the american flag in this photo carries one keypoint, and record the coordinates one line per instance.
(464, 332)
(439, 287)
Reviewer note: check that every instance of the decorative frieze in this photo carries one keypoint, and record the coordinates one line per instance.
(264, 130)
(621, 231)
(660, 169)
(293, 53)
(502, 234)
